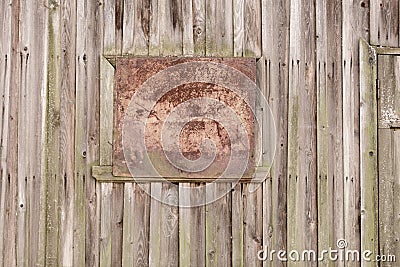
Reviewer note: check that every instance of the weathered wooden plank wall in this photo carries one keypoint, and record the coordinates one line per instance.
(53, 212)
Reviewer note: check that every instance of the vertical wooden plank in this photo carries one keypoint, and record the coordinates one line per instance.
(128, 227)
(238, 27)
(119, 14)
(142, 27)
(329, 126)
(192, 226)
(275, 30)
(355, 24)
(80, 133)
(384, 22)
(218, 226)
(53, 134)
(106, 224)
(67, 131)
(396, 190)
(24, 115)
(154, 31)
(170, 21)
(386, 191)
(219, 28)
(8, 67)
(188, 30)
(128, 27)
(302, 190)
(116, 226)
(199, 27)
(368, 150)
(106, 111)
(90, 240)
(109, 34)
(237, 226)
(252, 219)
(164, 239)
(141, 221)
(252, 28)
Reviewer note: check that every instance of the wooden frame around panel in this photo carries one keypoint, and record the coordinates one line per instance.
(103, 172)
(369, 143)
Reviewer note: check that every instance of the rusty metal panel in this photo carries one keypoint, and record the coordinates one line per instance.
(131, 73)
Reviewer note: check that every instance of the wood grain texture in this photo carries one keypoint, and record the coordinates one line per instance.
(253, 227)
(171, 27)
(128, 28)
(275, 28)
(67, 126)
(368, 150)
(6, 70)
(354, 26)
(329, 130)
(116, 224)
(191, 226)
(142, 27)
(237, 225)
(109, 35)
(53, 136)
(218, 225)
(302, 190)
(219, 28)
(128, 247)
(142, 223)
(164, 249)
(384, 22)
(252, 28)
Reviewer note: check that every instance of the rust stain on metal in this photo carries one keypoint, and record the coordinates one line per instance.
(131, 73)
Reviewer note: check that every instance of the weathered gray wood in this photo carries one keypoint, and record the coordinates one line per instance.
(388, 75)
(128, 247)
(170, 21)
(106, 111)
(218, 226)
(128, 27)
(302, 189)
(109, 28)
(7, 67)
(237, 226)
(199, 27)
(252, 28)
(142, 27)
(238, 27)
(275, 29)
(142, 223)
(368, 150)
(164, 250)
(92, 189)
(53, 136)
(106, 225)
(187, 30)
(384, 22)
(154, 31)
(67, 132)
(191, 226)
(253, 227)
(116, 224)
(396, 189)
(329, 126)
(219, 28)
(355, 25)
(386, 170)
(119, 14)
